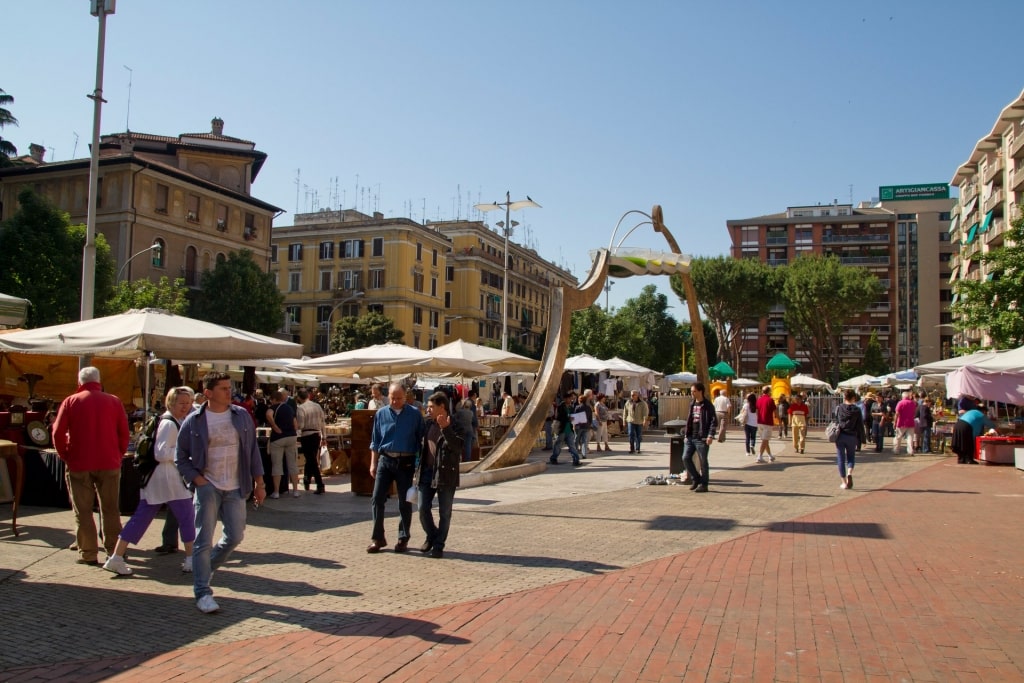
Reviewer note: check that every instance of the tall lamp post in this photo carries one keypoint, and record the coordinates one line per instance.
(100, 9)
(330, 318)
(507, 227)
(156, 248)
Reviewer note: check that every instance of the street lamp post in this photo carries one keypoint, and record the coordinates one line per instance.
(155, 247)
(507, 227)
(352, 297)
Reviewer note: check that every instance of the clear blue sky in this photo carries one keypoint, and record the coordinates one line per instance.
(716, 110)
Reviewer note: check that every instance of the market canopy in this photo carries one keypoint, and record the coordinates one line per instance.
(857, 382)
(13, 310)
(1005, 387)
(584, 363)
(496, 359)
(808, 382)
(941, 367)
(153, 330)
(721, 370)
(386, 360)
(780, 362)
(1003, 361)
(900, 377)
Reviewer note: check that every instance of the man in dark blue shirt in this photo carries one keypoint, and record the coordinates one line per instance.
(397, 434)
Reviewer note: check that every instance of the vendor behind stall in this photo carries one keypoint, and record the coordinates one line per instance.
(969, 426)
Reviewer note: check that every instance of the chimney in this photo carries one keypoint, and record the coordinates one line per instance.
(36, 152)
(217, 126)
(378, 216)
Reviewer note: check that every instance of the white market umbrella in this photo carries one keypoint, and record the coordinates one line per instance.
(857, 382)
(13, 310)
(496, 359)
(941, 367)
(808, 382)
(742, 383)
(1003, 361)
(150, 330)
(386, 360)
(584, 363)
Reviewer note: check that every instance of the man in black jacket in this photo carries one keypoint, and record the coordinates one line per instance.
(438, 469)
(701, 425)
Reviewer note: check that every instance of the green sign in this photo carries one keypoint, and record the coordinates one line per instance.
(894, 193)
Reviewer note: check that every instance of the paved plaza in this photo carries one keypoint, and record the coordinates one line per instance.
(573, 574)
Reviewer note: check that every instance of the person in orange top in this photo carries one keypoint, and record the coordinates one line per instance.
(90, 435)
(798, 413)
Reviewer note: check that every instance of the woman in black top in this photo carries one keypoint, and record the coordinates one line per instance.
(851, 436)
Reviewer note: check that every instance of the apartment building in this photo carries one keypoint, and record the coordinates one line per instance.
(191, 194)
(991, 184)
(901, 239)
(437, 281)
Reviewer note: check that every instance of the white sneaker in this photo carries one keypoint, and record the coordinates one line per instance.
(842, 484)
(186, 566)
(771, 458)
(207, 605)
(759, 459)
(275, 494)
(116, 564)
(296, 493)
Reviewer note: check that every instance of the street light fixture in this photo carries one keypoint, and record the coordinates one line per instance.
(352, 297)
(507, 226)
(156, 247)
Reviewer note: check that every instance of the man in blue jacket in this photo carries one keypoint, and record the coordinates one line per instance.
(701, 425)
(217, 454)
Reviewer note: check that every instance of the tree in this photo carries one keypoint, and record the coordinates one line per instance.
(820, 295)
(733, 295)
(238, 293)
(995, 305)
(873, 362)
(595, 332)
(367, 330)
(7, 150)
(166, 294)
(647, 334)
(41, 260)
(710, 342)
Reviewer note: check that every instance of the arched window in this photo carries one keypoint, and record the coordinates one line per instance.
(221, 258)
(191, 271)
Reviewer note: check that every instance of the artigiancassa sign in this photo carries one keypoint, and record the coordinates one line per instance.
(893, 193)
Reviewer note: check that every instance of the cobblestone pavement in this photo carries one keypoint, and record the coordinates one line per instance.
(529, 560)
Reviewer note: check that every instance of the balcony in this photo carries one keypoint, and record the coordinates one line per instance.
(995, 200)
(250, 233)
(967, 193)
(493, 315)
(1017, 146)
(191, 216)
(777, 261)
(780, 240)
(1017, 177)
(879, 308)
(994, 170)
(848, 239)
(222, 225)
(864, 260)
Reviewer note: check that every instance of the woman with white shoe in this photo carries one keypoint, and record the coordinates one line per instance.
(164, 486)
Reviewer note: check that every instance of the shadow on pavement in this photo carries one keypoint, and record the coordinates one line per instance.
(681, 523)
(583, 566)
(852, 529)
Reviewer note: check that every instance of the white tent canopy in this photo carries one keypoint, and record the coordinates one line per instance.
(584, 363)
(1003, 361)
(138, 331)
(941, 367)
(857, 382)
(496, 359)
(13, 310)
(808, 382)
(386, 360)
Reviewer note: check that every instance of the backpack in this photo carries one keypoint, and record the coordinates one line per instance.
(144, 461)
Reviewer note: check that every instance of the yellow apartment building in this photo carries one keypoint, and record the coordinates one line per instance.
(191, 194)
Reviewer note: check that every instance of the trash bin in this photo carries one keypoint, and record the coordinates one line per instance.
(675, 454)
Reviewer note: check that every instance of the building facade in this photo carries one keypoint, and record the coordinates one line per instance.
(903, 240)
(191, 194)
(438, 281)
(991, 184)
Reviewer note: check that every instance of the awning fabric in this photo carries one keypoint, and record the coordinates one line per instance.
(971, 234)
(986, 222)
(954, 225)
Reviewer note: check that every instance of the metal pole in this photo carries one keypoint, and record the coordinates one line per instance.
(89, 252)
(504, 300)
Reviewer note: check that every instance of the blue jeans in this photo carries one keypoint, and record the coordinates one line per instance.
(846, 450)
(878, 432)
(926, 439)
(700, 449)
(570, 442)
(437, 534)
(583, 441)
(211, 503)
(635, 436)
(548, 436)
(750, 438)
(400, 471)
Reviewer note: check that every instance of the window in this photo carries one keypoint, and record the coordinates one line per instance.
(192, 208)
(323, 316)
(375, 308)
(325, 280)
(295, 282)
(221, 257)
(748, 235)
(294, 315)
(99, 193)
(435, 258)
(250, 226)
(419, 251)
(326, 251)
(273, 253)
(191, 267)
(944, 216)
(449, 274)
(162, 193)
(417, 315)
(351, 279)
(377, 278)
(295, 252)
(435, 318)
(447, 299)
(417, 282)
(350, 249)
(159, 254)
(433, 286)
(378, 246)
(222, 217)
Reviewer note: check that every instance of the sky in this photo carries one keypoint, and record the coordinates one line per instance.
(716, 111)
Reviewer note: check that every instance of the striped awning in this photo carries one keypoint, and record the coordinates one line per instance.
(986, 222)
(971, 234)
(954, 225)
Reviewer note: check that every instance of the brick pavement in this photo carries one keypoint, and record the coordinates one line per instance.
(775, 575)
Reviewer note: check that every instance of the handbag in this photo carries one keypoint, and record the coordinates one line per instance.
(325, 458)
(832, 430)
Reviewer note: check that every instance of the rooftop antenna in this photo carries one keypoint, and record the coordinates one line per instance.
(128, 114)
(851, 194)
(74, 150)
(298, 184)
(356, 200)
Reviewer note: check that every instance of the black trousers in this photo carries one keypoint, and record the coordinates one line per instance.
(310, 447)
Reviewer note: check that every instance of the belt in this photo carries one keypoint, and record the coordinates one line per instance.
(399, 454)
(310, 431)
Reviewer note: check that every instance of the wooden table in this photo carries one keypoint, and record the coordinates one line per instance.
(11, 456)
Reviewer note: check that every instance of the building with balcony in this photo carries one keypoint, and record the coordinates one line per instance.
(991, 184)
(903, 240)
(190, 193)
(437, 281)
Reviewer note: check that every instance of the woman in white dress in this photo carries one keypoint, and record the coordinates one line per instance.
(164, 486)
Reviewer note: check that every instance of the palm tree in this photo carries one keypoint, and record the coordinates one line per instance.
(7, 150)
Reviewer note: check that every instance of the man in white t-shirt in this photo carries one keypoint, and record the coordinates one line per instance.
(217, 454)
(722, 407)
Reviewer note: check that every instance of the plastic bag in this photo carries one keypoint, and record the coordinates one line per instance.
(325, 458)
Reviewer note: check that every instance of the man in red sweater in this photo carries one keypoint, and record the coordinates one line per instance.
(90, 435)
(765, 422)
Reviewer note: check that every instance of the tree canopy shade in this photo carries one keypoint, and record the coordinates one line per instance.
(369, 329)
(994, 305)
(41, 260)
(821, 295)
(238, 293)
(733, 294)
